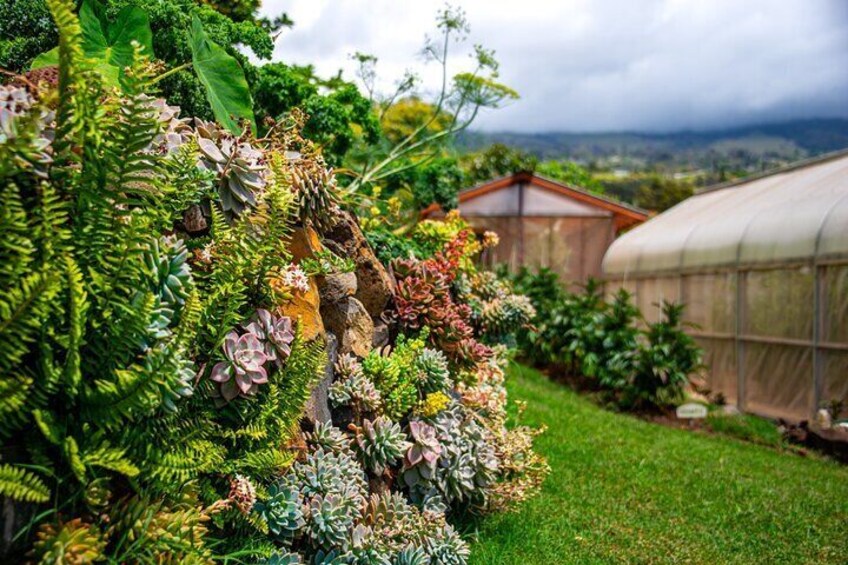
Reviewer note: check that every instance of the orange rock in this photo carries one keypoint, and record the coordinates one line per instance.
(305, 307)
(304, 243)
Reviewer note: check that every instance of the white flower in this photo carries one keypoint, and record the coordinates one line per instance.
(295, 278)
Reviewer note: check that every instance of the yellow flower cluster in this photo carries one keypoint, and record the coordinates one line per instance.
(433, 404)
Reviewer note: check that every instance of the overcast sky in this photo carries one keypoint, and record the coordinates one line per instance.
(604, 65)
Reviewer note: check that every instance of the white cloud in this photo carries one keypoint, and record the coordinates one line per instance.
(585, 65)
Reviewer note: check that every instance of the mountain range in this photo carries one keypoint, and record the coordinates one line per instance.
(747, 147)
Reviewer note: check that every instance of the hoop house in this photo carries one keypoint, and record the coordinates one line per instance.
(762, 265)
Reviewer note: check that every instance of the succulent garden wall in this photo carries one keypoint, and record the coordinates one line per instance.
(202, 358)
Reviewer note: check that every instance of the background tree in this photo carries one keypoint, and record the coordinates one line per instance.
(421, 130)
(497, 160)
(659, 193)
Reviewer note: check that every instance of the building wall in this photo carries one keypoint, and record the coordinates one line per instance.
(775, 338)
(572, 246)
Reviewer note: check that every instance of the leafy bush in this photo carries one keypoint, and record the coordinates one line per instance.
(664, 362)
(601, 341)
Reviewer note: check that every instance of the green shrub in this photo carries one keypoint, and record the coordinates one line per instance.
(601, 341)
(664, 362)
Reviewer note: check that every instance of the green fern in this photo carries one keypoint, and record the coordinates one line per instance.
(22, 485)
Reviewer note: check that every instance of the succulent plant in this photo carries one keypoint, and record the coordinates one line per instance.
(333, 557)
(285, 558)
(432, 404)
(411, 555)
(467, 464)
(314, 186)
(238, 165)
(324, 472)
(74, 542)
(243, 369)
(421, 457)
(275, 332)
(487, 285)
(175, 131)
(170, 272)
(447, 548)
(433, 372)
(242, 494)
(353, 388)
(331, 519)
(282, 511)
(18, 120)
(394, 376)
(380, 444)
(327, 437)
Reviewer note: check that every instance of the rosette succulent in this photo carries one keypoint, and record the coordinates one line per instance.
(282, 511)
(433, 372)
(21, 119)
(327, 437)
(420, 460)
(239, 167)
(325, 472)
(448, 548)
(380, 443)
(411, 555)
(331, 519)
(243, 370)
(170, 272)
(275, 332)
(285, 558)
(353, 388)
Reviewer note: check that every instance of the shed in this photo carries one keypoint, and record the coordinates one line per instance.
(543, 223)
(762, 267)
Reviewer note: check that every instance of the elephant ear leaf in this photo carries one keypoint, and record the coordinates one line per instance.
(223, 79)
(46, 59)
(110, 45)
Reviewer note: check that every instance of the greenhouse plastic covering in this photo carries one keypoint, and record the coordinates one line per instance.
(797, 214)
(762, 268)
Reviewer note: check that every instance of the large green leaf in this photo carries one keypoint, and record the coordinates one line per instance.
(223, 78)
(46, 59)
(112, 42)
(110, 45)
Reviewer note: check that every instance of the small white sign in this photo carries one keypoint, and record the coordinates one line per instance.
(692, 410)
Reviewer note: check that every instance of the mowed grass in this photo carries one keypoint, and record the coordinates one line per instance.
(622, 490)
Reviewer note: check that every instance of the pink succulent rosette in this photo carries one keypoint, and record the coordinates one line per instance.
(243, 370)
(275, 332)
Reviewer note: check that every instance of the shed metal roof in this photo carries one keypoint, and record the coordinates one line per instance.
(796, 213)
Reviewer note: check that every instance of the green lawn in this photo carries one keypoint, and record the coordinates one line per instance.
(626, 491)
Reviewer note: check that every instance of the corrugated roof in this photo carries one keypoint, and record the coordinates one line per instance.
(795, 213)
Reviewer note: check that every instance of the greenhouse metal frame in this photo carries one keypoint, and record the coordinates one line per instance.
(762, 266)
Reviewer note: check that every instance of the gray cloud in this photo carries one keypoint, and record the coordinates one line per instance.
(612, 64)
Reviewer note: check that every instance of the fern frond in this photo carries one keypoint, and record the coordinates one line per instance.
(77, 309)
(22, 485)
(183, 462)
(23, 309)
(111, 458)
(15, 393)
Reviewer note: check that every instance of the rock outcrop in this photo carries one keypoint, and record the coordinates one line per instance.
(374, 283)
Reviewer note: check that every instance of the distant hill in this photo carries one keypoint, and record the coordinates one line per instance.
(742, 148)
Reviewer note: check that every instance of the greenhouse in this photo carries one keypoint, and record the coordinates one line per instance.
(762, 266)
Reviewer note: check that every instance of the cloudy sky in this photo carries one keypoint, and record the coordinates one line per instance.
(604, 65)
